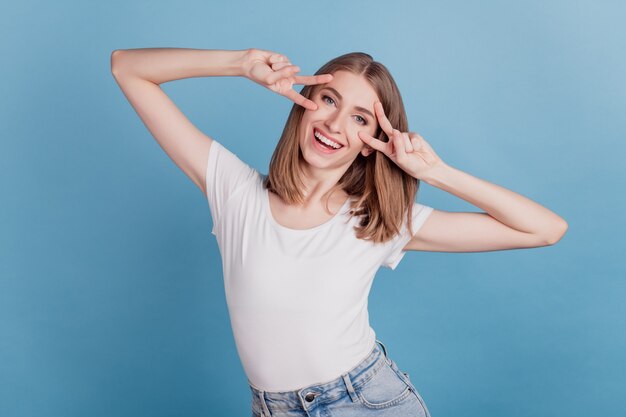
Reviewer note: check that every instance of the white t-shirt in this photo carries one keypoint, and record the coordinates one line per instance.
(297, 299)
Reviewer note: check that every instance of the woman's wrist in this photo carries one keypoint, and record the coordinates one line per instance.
(437, 175)
(236, 65)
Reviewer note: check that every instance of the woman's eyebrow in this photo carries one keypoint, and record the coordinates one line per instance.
(361, 109)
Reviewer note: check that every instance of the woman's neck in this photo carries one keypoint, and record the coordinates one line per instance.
(321, 185)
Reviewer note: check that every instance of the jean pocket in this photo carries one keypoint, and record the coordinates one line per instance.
(417, 394)
(384, 389)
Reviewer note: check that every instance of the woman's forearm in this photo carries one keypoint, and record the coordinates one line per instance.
(508, 207)
(160, 65)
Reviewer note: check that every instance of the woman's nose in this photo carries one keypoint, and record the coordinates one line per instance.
(333, 122)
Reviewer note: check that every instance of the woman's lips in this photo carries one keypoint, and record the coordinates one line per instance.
(327, 136)
(321, 148)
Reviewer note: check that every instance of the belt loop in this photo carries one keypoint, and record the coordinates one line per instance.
(266, 411)
(346, 380)
(383, 346)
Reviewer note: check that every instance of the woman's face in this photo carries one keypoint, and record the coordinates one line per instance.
(345, 107)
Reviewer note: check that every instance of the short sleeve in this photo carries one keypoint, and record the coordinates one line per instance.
(225, 174)
(395, 253)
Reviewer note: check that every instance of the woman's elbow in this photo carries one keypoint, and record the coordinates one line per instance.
(558, 234)
(115, 61)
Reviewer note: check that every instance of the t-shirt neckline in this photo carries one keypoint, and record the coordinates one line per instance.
(272, 220)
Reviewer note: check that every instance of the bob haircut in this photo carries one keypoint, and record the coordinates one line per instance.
(382, 193)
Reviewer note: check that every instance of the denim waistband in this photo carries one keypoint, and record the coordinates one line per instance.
(326, 392)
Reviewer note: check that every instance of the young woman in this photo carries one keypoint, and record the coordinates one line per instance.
(300, 246)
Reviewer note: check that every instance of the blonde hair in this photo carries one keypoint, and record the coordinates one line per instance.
(384, 192)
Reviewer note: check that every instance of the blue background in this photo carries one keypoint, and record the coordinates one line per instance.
(111, 293)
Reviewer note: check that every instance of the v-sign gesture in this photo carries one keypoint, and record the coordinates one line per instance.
(274, 71)
(510, 220)
(408, 150)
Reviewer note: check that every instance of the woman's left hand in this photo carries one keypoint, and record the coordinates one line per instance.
(408, 150)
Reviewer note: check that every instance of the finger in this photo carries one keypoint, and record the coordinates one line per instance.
(384, 123)
(299, 99)
(280, 65)
(313, 79)
(399, 144)
(282, 73)
(416, 144)
(407, 142)
(278, 58)
(375, 143)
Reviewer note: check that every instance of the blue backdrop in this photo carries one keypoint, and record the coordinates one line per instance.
(111, 293)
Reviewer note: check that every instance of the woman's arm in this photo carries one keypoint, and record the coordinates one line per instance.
(160, 65)
(511, 220)
(138, 72)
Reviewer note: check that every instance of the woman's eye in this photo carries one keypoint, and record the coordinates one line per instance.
(326, 97)
(363, 121)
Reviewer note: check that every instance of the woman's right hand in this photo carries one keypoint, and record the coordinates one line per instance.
(274, 71)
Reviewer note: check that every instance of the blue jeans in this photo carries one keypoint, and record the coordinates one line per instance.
(374, 387)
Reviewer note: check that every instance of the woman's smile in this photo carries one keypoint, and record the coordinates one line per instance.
(322, 144)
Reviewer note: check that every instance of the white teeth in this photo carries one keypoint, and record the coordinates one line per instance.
(327, 141)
